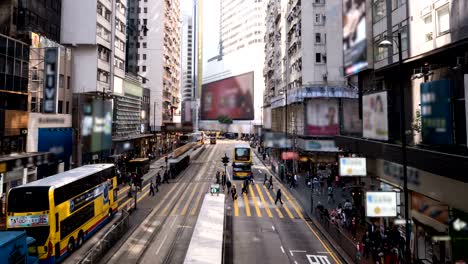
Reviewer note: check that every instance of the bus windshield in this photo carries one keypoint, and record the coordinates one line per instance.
(28, 199)
(242, 154)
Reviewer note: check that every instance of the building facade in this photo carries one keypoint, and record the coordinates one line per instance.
(99, 43)
(432, 76)
(187, 63)
(158, 57)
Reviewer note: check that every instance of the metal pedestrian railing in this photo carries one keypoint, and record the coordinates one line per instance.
(118, 229)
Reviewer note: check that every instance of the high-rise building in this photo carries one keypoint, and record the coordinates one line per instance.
(98, 68)
(187, 68)
(158, 56)
(233, 37)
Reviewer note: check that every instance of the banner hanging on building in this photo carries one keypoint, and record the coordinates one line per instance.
(375, 116)
(436, 112)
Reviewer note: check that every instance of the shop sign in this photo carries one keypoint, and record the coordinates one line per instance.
(317, 145)
(51, 70)
(395, 171)
(381, 204)
(353, 167)
(289, 155)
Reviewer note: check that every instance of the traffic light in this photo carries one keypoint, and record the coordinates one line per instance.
(225, 159)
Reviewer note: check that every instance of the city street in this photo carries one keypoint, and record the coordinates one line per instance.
(257, 231)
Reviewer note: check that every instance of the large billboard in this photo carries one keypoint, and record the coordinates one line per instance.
(58, 141)
(436, 112)
(322, 117)
(232, 97)
(354, 36)
(375, 116)
(381, 204)
(96, 126)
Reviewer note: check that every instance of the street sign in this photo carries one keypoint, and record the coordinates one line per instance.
(214, 188)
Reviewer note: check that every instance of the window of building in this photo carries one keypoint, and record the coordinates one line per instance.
(144, 80)
(143, 68)
(67, 108)
(144, 56)
(138, 45)
(61, 81)
(443, 20)
(145, 10)
(380, 53)
(33, 104)
(103, 76)
(60, 107)
(319, 19)
(145, 22)
(139, 10)
(428, 29)
(318, 58)
(318, 38)
(379, 10)
(132, 10)
(68, 82)
(138, 68)
(144, 44)
(397, 3)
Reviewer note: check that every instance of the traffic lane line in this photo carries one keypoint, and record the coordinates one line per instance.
(197, 201)
(185, 208)
(295, 206)
(180, 199)
(168, 204)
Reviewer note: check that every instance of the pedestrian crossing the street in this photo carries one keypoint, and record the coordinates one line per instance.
(260, 202)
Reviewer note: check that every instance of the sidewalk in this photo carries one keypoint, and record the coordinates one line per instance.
(341, 236)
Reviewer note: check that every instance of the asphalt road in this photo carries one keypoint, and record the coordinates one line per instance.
(262, 232)
(257, 231)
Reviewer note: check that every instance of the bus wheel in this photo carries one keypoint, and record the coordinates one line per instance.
(80, 239)
(71, 245)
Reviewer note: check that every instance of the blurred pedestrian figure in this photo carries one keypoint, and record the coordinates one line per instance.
(265, 179)
(217, 177)
(278, 197)
(151, 192)
(270, 183)
(166, 177)
(234, 192)
(223, 180)
(228, 185)
(316, 185)
(158, 181)
(330, 195)
(245, 187)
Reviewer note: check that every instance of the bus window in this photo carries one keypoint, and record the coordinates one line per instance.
(28, 199)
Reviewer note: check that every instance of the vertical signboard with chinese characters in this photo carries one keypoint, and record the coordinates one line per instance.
(436, 112)
(51, 78)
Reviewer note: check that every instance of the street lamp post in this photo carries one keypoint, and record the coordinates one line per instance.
(387, 43)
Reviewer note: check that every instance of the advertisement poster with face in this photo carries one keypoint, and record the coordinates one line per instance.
(232, 97)
(375, 116)
(354, 36)
(322, 117)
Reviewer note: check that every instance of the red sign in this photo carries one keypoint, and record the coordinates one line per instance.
(289, 155)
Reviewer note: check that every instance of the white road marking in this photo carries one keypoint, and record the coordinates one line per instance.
(318, 259)
(272, 227)
(282, 249)
(160, 246)
(297, 251)
(295, 262)
(323, 252)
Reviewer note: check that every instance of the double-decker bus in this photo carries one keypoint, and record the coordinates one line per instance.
(61, 211)
(242, 162)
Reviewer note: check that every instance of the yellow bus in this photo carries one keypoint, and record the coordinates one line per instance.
(61, 211)
(242, 162)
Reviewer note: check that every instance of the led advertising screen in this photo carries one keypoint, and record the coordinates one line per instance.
(354, 36)
(375, 116)
(232, 97)
(353, 167)
(96, 126)
(58, 141)
(322, 117)
(436, 112)
(381, 204)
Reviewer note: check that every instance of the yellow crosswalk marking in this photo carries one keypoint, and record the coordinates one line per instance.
(184, 210)
(254, 199)
(278, 211)
(197, 201)
(265, 205)
(287, 210)
(236, 208)
(296, 208)
(246, 203)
